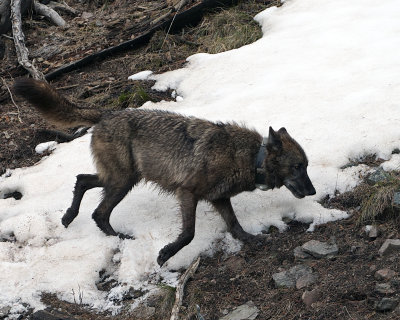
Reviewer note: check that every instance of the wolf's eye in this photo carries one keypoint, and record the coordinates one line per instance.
(297, 166)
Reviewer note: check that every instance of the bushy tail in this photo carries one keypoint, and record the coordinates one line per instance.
(54, 107)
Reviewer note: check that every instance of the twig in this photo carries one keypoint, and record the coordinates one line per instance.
(177, 8)
(12, 99)
(180, 287)
(7, 37)
(18, 35)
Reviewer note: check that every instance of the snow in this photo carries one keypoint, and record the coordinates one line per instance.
(45, 146)
(143, 75)
(325, 70)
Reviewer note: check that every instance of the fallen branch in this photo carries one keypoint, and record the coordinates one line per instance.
(19, 41)
(49, 13)
(180, 287)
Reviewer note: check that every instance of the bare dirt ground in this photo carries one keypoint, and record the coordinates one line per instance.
(347, 286)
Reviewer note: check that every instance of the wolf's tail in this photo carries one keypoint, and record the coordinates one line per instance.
(54, 107)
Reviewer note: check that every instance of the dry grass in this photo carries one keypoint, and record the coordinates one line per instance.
(377, 200)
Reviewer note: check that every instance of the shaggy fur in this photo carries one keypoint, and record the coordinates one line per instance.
(192, 158)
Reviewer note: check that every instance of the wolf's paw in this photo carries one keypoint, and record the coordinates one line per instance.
(124, 236)
(68, 217)
(163, 255)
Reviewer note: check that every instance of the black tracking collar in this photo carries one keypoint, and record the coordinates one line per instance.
(260, 171)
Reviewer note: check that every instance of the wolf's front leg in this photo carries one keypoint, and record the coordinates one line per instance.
(188, 204)
(224, 208)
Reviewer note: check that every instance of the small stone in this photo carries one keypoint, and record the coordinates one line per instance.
(98, 23)
(310, 297)
(133, 293)
(378, 176)
(396, 199)
(320, 249)
(306, 280)
(384, 274)
(372, 231)
(288, 279)
(4, 312)
(390, 246)
(300, 255)
(384, 288)
(247, 311)
(283, 280)
(106, 285)
(386, 304)
(86, 15)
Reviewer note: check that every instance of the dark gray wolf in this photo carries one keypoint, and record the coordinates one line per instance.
(192, 158)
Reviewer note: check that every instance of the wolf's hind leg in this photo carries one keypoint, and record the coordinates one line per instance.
(83, 183)
(224, 208)
(188, 204)
(112, 196)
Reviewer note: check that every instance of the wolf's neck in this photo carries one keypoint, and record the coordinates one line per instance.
(260, 172)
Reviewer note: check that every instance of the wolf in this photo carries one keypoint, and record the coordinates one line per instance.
(192, 158)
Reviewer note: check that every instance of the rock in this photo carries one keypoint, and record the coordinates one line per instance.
(106, 285)
(390, 246)
(288, 279)
(300, 255)
(4, 312)
(247, 311)
(396, 199)
(320, 249)
(306, 280)
(309, 297)
(379, 175)
(372, 231)
(384, 274)
(384, 288)
(86, 15)
(386, 304)
(133, 293)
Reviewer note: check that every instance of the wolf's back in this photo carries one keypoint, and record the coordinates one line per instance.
(54, 107)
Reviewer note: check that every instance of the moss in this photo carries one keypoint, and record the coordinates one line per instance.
(133, 98)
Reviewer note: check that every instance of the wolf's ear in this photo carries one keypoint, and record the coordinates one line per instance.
(282, 131)
(274, 142)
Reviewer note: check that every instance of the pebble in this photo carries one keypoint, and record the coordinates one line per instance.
(247, 311)
(319, 249)
(310, 297)
(389, 246)
(386, 304)
(384, 274)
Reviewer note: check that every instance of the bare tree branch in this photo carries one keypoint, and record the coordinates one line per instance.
(180, 287)
(49, 13)
(19, 41)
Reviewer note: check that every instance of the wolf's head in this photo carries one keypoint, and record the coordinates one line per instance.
(286, 164)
